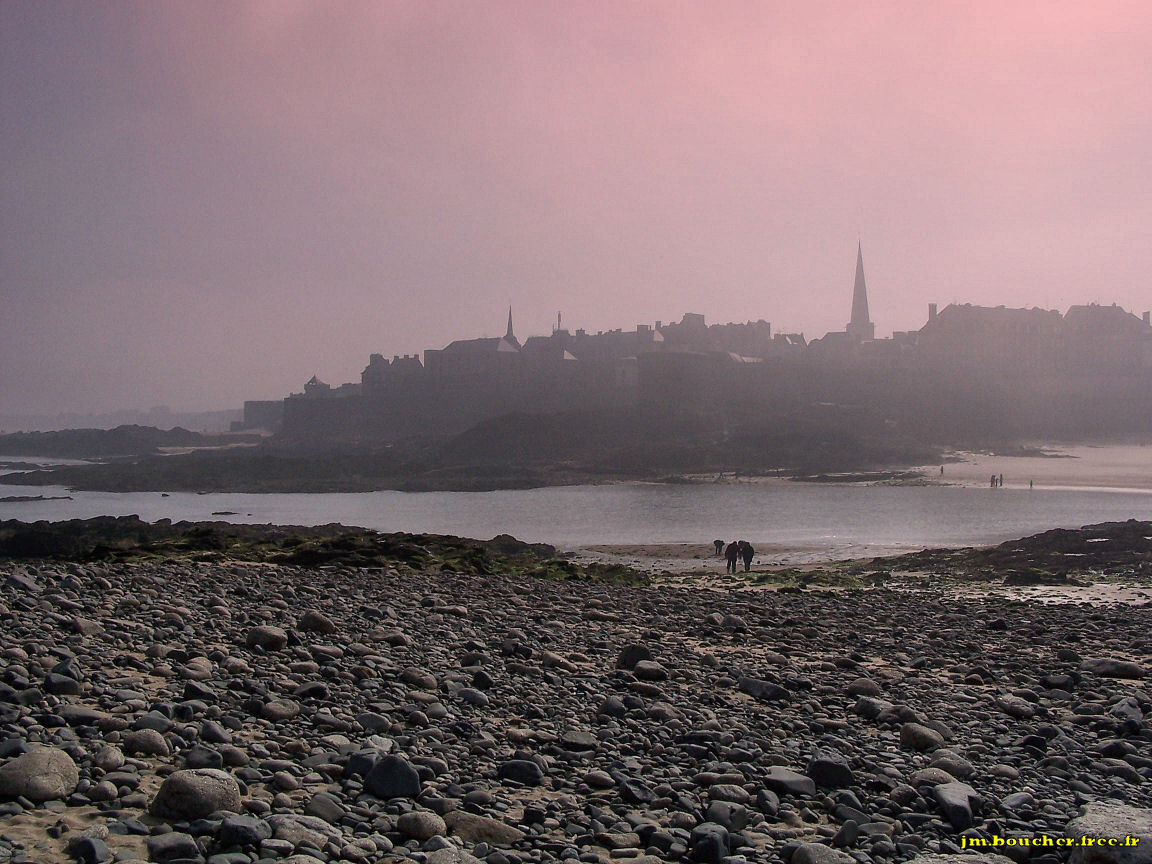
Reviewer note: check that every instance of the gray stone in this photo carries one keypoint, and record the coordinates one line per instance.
(731, 815)
(475, 828)
(1106, 819)
(818, 853)
(173, 846)
(956, 800)
(523, 771)
(830, 770)
(267, 637)
(578, 739)
(1014, 706)
(90, 850)
(302, 830)
(451, 855)
(194, 793)
(421, 824)
(632, 654)
(955, 765)
(325, 806)
(279, 710)
(863, 687)
(145, 742)
(316, 622)
(765, 691)
(709, 843)
(650, 670)
(783, 780)
(1107, 667)
(241, 830)
(870, 707)
(393, 777)
(1018, 802)
(917, 736)
(41, 774)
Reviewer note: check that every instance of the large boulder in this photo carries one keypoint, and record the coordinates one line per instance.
(1111, 822)
(41, 774)
(194, 793)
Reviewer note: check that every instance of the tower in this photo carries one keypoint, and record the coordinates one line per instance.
(860, 328)
(511, 337)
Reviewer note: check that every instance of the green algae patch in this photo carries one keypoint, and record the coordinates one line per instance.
(129, 539)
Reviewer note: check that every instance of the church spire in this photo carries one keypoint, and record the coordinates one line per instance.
(510, 336)
(860, 327)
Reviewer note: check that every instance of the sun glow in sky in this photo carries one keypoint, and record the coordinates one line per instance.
(204, 203)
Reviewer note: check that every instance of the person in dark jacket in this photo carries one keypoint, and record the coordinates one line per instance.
(746, 552)
(732, 553)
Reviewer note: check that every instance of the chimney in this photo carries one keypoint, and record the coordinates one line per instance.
(931, 311)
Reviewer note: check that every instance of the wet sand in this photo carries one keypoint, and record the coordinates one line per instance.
(701, 558)
(692, 565)
(1127, 467)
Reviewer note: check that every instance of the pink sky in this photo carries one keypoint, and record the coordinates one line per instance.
(204, 203)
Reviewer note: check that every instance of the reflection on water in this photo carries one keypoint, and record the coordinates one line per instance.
(835, 521)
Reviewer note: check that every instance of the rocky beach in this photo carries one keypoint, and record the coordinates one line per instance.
(171, 704)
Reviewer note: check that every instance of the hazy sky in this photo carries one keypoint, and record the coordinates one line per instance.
(207, 202)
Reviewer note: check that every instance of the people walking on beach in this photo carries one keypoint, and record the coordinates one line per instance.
(732, 553)
(719, 544)
(746, 552)
(1001, 482)
(992, 482)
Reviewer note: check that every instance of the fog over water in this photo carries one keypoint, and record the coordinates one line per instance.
(206, 203)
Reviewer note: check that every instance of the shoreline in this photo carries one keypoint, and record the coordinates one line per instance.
(1105, 562)
(1050, 465)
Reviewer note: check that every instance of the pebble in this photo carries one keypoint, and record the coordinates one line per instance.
(230, 713)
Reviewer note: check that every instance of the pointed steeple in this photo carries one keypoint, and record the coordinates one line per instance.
(510, 336)
(860, 327)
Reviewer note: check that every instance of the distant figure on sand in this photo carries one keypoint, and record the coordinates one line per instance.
(719, 544)
(731, 553)
(1000, 483)
(746, 552)
(992, 483)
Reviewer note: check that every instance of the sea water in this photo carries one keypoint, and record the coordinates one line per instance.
(828, 521)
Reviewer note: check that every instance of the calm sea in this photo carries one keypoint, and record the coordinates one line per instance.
(827, 521)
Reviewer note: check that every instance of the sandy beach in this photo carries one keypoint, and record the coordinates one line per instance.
(1126, 467)
(700, 559)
